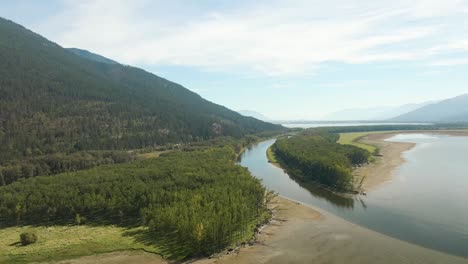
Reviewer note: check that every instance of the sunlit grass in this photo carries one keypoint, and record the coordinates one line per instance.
(65, 242)
(151, 155)
(354, 137)
(271, 156)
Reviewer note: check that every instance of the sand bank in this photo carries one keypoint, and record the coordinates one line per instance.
(381, 171)
(300, 234)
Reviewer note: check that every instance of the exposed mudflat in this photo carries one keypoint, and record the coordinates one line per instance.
(300, 234)
(381, 171)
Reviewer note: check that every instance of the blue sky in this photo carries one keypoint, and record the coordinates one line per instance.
(285, 59)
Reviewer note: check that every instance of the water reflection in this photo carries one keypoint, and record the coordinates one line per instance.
(424, 204)
(340, 200)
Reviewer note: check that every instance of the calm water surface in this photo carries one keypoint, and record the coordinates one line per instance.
(426, 202)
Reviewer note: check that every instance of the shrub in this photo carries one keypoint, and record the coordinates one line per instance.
(28, 238)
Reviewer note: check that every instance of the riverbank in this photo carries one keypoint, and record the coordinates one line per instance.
(382, 168)
(272, 158)
(390, 157)
(300, 234)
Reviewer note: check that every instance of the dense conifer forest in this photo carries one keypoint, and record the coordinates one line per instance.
(59, 108)
(201, 200)
(314, 156)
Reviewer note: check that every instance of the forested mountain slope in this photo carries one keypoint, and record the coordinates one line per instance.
(91, 56)
(54, 101)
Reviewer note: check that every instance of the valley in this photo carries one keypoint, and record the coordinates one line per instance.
(133, 154)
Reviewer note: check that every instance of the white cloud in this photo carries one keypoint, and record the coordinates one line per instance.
(278, 39)
(449, 62)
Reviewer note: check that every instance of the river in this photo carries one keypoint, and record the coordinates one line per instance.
(426, 202)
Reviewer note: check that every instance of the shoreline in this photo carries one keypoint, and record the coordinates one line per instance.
(382, 170)
(301, 234)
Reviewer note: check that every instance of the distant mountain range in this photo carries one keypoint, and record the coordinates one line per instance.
(449, 110)
(442, 111)
(254, 114)
(374, 113)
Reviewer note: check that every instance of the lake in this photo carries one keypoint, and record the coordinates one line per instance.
(426, 202)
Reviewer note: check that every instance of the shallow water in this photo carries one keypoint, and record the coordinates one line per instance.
(426, 202)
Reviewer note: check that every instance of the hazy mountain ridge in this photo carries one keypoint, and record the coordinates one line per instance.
(449, 110)
(374, 113)
(254, 114)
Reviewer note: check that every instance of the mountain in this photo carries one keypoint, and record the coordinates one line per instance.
(357, 114)
(450, 110)
(91, 56)
(253, 114)
(55, 101)
(375, 113)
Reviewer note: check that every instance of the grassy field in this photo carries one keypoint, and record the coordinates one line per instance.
(271, 156)
(68, 242)
(152, 155)
(353, 138)
(65, 242)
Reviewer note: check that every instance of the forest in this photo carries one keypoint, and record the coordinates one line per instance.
(199, 199)
(314, 156)
(54, 101)
(14, 170)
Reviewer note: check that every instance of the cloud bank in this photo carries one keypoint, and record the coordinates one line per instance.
(272, 38)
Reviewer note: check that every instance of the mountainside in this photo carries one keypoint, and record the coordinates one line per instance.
(450, 110)
(91, 56)
(54, 101)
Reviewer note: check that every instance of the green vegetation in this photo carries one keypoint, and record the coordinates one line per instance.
(55, 104)
(271, 156)
(28, 238)
(194, 202)
(372, 128)
(71, 241)
(14, 170)
(353, 139)
(314, 156)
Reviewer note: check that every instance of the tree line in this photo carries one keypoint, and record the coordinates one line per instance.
(314, 156)
(15, 170)
(200, 200)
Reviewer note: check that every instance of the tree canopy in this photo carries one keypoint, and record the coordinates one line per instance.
(200, 199)
(314, 155)
(59, 108)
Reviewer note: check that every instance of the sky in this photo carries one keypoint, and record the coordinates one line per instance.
(284, 59)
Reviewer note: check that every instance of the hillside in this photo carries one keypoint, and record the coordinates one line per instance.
(450, 110)
(91, 56)
(54, 101)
